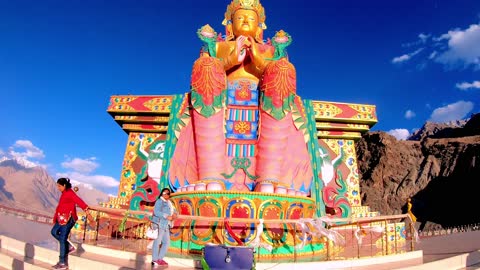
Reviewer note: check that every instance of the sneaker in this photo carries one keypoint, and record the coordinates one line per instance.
(71, 247)
(60, 266)
(159, 262)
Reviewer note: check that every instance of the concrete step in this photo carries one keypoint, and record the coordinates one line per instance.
(127, 251)
(85, 257)
(95, 257)
(24, 252)
(123, 259)
(11, 260)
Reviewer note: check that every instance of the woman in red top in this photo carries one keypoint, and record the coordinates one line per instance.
(65, 218)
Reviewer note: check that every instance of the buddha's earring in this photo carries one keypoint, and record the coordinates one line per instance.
(229, 32)
(259, 36)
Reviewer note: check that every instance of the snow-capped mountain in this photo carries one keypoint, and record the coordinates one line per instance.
(27, 186)
(20, 161)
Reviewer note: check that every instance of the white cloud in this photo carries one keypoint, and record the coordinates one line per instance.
(91, 180)
(81, 165)
(26, 150)
(457, 48)
(463, 47)
(401, 58)
(409, 114)
(465, 85)
(422, 66)
(26, 153)
(400, 133)
(80, 172)
(405, 57)
(451, 112)
(423, 37)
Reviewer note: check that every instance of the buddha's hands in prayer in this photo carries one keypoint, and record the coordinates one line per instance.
(255, 54)
(242, 44)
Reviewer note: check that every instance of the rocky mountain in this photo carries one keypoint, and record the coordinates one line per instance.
(439, 130)
(29, 187)
(438, 167)
(91, 195)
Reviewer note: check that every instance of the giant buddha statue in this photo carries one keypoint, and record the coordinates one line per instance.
(248, 129)
(242, 144)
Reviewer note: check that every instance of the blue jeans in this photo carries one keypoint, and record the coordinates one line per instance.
(164, 239)
(61, 232)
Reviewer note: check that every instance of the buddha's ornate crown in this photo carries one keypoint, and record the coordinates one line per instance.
(245, 4)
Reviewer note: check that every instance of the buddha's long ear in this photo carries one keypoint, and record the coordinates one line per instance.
(229, 32)
(259, 35)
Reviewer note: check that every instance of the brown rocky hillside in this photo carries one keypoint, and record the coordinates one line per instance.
(439, 168)
(33, 189)
(27, 188)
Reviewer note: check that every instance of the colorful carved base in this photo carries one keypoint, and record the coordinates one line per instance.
(190, 236)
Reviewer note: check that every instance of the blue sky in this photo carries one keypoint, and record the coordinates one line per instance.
(60, 61)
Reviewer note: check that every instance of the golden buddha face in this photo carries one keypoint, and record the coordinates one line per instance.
(245, 22)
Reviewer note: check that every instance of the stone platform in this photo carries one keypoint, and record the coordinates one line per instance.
(456, 251)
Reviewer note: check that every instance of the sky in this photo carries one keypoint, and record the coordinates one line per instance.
(60, 61)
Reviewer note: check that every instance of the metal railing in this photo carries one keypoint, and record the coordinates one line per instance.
(374, 236)
(23, 213)
(439, 231)
(363, 237)
(368, 247)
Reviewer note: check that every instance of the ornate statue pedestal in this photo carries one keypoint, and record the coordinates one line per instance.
(153, 121)
(190, 236)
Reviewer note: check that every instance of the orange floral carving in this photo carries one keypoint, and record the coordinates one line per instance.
(279, 80)
(208, 78)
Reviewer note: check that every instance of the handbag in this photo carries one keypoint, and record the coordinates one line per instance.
(222, 257)
(63, 218)
(152, 231)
